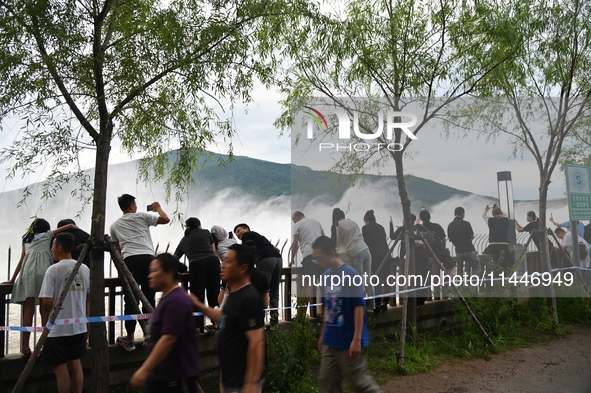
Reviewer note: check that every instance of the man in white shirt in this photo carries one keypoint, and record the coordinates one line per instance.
(66, 344)
(305, 232)
(131, 234)
(566, 242)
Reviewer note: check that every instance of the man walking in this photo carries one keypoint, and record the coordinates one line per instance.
(344, 330)
(241, 340)
(131, 234)
(66, 344)
(460, 233)
(270, 263)
(305, 231)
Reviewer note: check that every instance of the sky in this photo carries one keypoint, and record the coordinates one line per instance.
(468, 163)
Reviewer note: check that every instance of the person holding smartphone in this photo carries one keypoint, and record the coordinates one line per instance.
(131, 234)
(498, 236)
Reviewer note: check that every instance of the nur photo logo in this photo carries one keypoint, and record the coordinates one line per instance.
(317, 116)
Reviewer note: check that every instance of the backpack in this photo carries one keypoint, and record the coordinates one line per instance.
(437, 246)
(430, 237)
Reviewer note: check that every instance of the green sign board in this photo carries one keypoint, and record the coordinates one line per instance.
(578, 190)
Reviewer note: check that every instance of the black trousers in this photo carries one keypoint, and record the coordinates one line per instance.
(139, 266)
(204, 275)
(422, 269)
(498, 250)
(188, 385)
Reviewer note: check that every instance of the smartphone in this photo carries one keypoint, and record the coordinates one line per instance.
(150, 208)
(230, 235)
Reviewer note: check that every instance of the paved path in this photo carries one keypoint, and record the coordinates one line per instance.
(560, 366)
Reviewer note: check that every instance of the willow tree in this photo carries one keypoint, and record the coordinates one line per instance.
(541, 97)
(92, 74)
(405, 56)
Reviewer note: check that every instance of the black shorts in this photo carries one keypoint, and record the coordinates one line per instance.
(58, 350)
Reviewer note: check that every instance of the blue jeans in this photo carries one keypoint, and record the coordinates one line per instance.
(362, 263)
(472, 259)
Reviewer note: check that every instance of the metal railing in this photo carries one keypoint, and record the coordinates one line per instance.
(288, 286)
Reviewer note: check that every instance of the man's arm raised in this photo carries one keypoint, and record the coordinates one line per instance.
(162, 216)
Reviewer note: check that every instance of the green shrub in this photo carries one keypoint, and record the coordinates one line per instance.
(291, 355)
(573, 309)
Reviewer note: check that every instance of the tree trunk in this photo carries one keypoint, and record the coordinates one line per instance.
(402, 351)
(544, 251)
(98, 334)
(408, 224)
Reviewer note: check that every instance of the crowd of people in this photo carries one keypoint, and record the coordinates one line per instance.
(232, 284)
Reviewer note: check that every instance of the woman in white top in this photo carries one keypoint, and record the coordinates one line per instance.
(220, 236)
(353, 251)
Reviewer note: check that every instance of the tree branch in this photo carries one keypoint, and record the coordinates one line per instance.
(140, 89)
(58, 80)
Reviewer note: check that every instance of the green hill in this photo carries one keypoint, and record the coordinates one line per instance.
(260, 178)
(264, 180)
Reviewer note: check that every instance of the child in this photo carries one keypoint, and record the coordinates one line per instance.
(35, 259)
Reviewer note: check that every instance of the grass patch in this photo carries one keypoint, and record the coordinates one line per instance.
(574, 309)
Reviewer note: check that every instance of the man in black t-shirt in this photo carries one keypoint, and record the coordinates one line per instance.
(460, 233)
(259, 282)
(435, 232)
(241, 341)
(498, 236)
(270, 263)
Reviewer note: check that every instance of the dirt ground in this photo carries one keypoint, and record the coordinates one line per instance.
(560, 366)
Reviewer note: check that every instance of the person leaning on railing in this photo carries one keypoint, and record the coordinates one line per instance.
(498, 236)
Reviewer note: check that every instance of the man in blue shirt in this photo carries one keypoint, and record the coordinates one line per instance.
(344, 329)
(566, 225)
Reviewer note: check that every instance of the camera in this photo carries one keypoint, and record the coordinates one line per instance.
(150, 208)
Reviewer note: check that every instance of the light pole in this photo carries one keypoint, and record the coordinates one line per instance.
(505, 186)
